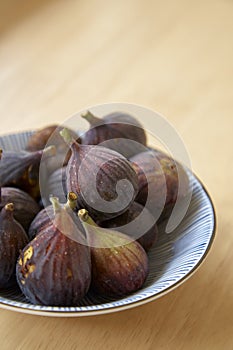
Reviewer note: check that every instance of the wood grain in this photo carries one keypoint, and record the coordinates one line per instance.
(176, 57)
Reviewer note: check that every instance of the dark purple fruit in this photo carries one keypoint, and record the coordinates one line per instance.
(114, 130)
(54, 269)
(12, 239)
(25, 207)
(138, 223)
(13, 165)
(46, 216)
(119, 265)
(48, 136)
(104, 180)
(57, 184)
(158, 172)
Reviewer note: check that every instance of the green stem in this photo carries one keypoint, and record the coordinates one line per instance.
(56, 205)
(85, 218)
(49, 151)
(71, 200)
(67, 136)
(91, 118)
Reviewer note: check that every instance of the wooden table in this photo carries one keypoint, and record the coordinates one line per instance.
(176, 57)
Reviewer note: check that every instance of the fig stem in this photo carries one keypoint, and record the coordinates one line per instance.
(91, 118)
(7, 211)
(49, 151)
(71, 200)
(85, 218)
(67, 136)
(56, 205)
(9, 207)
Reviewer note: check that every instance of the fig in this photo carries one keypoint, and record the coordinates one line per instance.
(14, 164)
(46, 216)
(57, 184)
(54, 269)
(12, 239)
(119, 265)
(138, 223)
(25, 207)
(104, 180)
(154, 168)
(48, 136)
(115, 131)
(29, 182)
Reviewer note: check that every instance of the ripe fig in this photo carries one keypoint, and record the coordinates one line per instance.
(29, 182)
(104, 180)
(119, 265)
(12, 239)
(25, 207)
(154, 168)
(57, 184)
(138, 223)
(114, 131)
(46, 216)
(53, 269)
(14, 164)
(48, 136)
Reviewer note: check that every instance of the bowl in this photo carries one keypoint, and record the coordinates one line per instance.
(172, 260)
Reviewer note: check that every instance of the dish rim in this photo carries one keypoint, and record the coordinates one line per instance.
(111, 309)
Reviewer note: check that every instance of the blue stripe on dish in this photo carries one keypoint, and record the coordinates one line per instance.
(171, 260)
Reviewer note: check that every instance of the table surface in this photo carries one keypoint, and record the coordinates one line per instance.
(176, 57)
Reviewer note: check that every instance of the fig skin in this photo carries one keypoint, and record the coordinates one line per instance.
(48, 136)
(25, 207)
(41, 221)
(111, 168)
(57, 184)
(13, 165)
(117, 125)
(146, 223)
(147, 169)
(46, 216)
(119, 265)
(12, 239)
(54, 269)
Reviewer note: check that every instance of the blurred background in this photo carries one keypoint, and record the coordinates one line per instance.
(58, 57)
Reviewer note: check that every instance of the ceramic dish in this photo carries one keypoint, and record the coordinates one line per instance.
(172, 260)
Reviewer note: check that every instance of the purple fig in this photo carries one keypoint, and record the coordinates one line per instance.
(159, 171)
(14, 164)
(57, 184)
(138, 223)
(104, 180)
(46, 216)
(25, 207)
(119, 265)
(115, 131)
(54, 269)
(12, 239)
(48, 136)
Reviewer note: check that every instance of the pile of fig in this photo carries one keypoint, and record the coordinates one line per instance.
(91, 229)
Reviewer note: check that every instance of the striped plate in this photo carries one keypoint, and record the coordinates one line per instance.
(172, 260)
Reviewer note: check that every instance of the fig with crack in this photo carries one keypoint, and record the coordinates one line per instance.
(55, 267)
